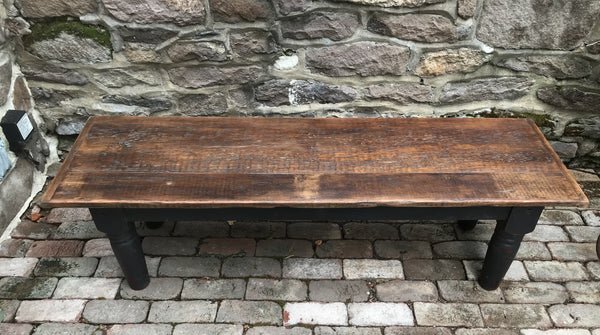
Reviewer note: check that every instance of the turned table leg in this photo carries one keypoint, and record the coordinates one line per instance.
(153, 224)
(505, 243)
(467, 225)
(126, 245)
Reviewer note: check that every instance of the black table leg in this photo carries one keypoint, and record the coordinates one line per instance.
(515, 222)
(153, 224)
(125, 243)
(505, 243)
(598, 247)
(467, 224)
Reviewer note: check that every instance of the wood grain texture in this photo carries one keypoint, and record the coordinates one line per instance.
(268, 162)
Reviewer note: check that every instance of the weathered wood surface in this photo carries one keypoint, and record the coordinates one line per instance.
(268, 162)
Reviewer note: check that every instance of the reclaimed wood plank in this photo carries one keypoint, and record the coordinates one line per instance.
(267, 162)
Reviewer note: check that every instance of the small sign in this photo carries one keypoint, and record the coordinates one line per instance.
(17, 127)
(25, 127)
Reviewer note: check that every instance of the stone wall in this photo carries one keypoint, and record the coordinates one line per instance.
(21, 174)
(342, 58)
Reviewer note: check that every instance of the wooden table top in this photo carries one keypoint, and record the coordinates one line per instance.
(204, 162)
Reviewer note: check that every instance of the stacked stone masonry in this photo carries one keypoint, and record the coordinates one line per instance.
(342, 58)
(58, 276)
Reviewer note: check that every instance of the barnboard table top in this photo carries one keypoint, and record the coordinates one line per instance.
(206, 162)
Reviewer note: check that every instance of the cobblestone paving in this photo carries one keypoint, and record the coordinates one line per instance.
(58, 276)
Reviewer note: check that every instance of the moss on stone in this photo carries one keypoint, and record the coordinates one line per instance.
(50, 29)
(55, 267)
(28, 288)
(591, 189)
(541, 120)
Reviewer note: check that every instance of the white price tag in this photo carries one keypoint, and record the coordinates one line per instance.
(25, 127)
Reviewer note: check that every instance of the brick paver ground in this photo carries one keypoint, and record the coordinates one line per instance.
(58, 276)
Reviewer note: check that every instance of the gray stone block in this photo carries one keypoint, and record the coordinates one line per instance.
(467, 291)
(189, 267)
(208, 329)
(555, 271)
(515, 316)
(195, 311)
(143, 12)
(584, 292)
(65, 328)
(116, 311)
(560, 67)
(284, 248)
(403, 249)
(238, 11)
(267, 230)
(370, 231)
(310, 268)
(372, 269)
(407, 291)
(566, 251)
(536, 24)
(87, 288)
(437, 269)
(169, 246)
(345, 249)
(209, 289)
(314, 230)
(380, 314)
(334, 25)
(400, 93)
(339, 290)
(358, 59)
(250, 312)
(8, 309)
(82, 230)
(570, 97)
(460, 250)
(27, 288)
(321, 330)
(534, 293)
(280, 290)
(429, 28)
(39, 311)
(69, 48)
(158, 289)
(197, 77)
(575, 315)
(251, 267)
(199, 229)
(447, 314)
(141, 329)
(66, 267)
(271, 330)
(434, 232)
(503, 88)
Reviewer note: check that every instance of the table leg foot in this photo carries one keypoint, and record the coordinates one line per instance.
(126, 245)
(505, 243)
(467, 224)
(500, 254)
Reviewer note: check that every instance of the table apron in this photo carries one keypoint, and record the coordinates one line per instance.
(318, 214)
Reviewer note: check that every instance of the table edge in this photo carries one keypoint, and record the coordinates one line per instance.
(48, 201)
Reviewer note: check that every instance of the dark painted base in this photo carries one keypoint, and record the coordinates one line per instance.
(467, 225)
(513, 223)
(153, 224)
(501, 252)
